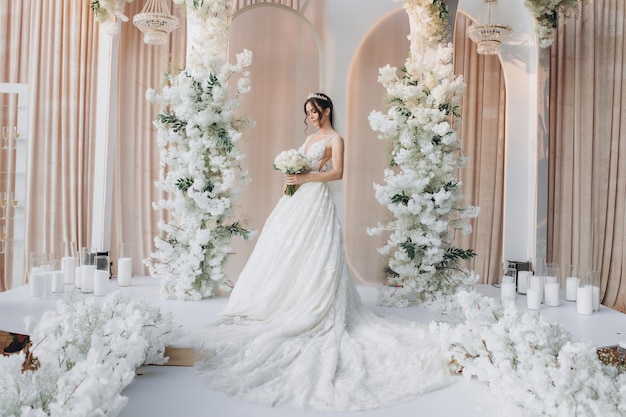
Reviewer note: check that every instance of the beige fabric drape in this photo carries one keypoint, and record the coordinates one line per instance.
(55, 55)
(14, 18)
(52, 46)
(481, 132)
(137, 155)
(587, 168)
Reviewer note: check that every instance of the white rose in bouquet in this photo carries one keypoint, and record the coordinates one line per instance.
(291, 162)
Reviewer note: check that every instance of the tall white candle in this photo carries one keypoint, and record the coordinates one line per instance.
(571, 287)
(507, 279)
(522, 281)
(86, 285)
(533, 301)
(124, 271)
(37, 285)
(69, 270)
(536, 283)
(507, 291)
(584, 303)
(552, 294)
(58, 281)
(100, 282)
(551, 280)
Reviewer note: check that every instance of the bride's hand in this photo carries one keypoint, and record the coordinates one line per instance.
(294, 179)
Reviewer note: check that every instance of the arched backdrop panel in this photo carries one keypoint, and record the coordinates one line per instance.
(287, 58)
(367, 156)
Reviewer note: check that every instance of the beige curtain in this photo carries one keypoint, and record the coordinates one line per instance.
(14, 17)
(52, 46)
(137, 155)
(481, 132)
(587, 172)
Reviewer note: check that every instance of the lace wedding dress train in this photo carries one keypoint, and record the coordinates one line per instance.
(295, 332)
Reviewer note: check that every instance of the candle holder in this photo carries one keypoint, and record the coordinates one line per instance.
(584, 294)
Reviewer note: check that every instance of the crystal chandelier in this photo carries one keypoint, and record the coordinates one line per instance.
(489, 33)
(156, 22)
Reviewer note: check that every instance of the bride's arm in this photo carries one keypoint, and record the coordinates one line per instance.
(333, 174)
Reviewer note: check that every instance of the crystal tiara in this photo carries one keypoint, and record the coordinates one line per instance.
(316, 95)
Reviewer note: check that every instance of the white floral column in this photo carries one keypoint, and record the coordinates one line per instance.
(198, 135)
(421, 186)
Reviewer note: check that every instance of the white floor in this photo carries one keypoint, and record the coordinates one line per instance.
(175, 391)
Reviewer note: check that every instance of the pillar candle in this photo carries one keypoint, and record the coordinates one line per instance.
(551, 280)
(100, 282)
(124, 268)
(571, 287)
(69, 270)
(507, 291)
(86, 285)
(532, 299)
(58, 281)
(552, 294)
(584, 303)
(536, 283)
(37, 285)
(522, 281)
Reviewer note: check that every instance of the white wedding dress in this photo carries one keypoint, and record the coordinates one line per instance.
(295, 332)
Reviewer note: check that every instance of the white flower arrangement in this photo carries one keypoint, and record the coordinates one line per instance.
(83, 355)
(546, 14)
(109, 10)
(200, 161)
(428, 19)
(532, 365)
(291, 162)
(421, 188)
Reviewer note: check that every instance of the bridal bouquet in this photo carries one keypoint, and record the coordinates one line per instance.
(291, 162)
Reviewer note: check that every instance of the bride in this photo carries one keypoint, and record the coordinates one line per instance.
(295, 332)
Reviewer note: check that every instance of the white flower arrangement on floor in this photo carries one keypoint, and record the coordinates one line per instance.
(546, 14)
(421, 187)
(200, 161)
(532, 365)
(83, 355)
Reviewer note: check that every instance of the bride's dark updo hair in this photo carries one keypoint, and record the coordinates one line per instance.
(320, 102)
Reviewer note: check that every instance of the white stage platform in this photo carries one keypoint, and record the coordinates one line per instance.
(175, 391)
